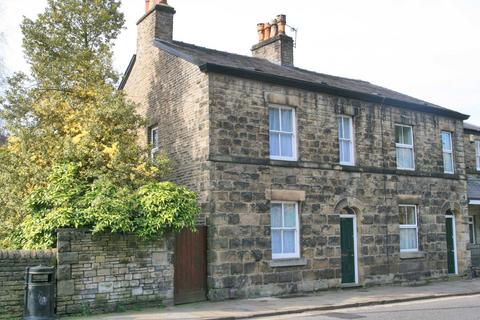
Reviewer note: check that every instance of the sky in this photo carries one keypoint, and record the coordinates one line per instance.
(429, 49)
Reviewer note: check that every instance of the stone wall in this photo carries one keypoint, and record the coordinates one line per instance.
(240, 262)
(173, 95)
(12, 278)
(470, 153)
(102, 273)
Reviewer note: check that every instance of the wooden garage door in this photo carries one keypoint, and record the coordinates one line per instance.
(191, 266)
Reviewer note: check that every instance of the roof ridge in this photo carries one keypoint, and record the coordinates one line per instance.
(215, 50)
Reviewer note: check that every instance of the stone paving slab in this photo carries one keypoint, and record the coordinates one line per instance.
(326, 300)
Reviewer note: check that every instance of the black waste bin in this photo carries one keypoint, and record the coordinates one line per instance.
(39, 293)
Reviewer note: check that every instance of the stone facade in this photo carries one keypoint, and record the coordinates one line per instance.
(108, 272)
(173, 95)
(215, 129)
(240, 265)
(12, 278)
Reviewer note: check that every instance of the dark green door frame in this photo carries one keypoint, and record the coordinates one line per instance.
(451, 244)
(348, 242)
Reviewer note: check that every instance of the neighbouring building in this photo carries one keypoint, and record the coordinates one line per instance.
(472, 160)
(307, 181)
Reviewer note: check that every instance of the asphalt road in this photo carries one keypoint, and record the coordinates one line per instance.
(459, 308)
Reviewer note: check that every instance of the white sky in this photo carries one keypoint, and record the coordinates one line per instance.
(429, 49)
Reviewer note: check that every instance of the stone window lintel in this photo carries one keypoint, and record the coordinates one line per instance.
(285, 195)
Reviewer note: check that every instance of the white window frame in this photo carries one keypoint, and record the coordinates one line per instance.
(296, 254)
(154, 148)
(293, 133)
(448, 151)
(410, 226)
(477, 143)
(471, 223)
(405, 146)
(351, 139)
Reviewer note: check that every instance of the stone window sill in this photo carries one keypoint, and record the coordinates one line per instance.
(288, 263)
(412, 255)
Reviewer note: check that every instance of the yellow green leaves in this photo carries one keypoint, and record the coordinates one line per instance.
(69, 201)
(69, 113)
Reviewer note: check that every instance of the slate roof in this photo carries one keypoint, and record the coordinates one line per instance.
(210, 60)
(471, 127)
(474, 189)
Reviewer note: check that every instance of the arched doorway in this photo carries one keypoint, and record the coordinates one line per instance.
(348, 243)
(452, 263)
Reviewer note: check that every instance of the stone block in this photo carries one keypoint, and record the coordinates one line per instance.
(105, 287)
(65, 288)
(160, 258)
(137, 291)
(64, 272)
(67, 258)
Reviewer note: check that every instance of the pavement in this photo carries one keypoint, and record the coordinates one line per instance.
(321, 301)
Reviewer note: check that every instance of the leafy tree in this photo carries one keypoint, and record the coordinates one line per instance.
(72, 158)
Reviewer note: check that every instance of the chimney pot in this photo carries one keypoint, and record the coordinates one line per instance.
(261, 31)
(274, 45)
(267, 31)
(273, 28)
(281, 22)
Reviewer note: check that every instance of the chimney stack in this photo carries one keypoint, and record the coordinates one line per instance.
(156, 23)
(274, 45)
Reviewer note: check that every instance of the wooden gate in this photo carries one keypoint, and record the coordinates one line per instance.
(191, 266)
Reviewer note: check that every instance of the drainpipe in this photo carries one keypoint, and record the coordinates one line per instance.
(387, 240)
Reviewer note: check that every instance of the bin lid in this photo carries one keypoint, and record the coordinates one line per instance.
(42, 270)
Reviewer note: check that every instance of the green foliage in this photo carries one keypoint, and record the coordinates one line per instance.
(163, 207)
(67, 201)
(72, 157)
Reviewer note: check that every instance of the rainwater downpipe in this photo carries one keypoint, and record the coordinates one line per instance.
(387, 240)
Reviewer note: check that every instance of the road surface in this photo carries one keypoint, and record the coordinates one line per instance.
(458, 308)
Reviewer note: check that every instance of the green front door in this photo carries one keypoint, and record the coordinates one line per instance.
(450, 246)
(348, 250)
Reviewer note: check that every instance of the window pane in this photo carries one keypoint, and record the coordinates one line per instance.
(276, 241)
(345, 154)
(471, 233)
(290, 216)
(405, 158)
(448, 162)
(411, 219)
(287, 120)
(407, 135)
(274, 114)
(340, 128)
(408, 239)
(478, 154)
(402, 216)
(446, 141)
(286, 141)
(154, 137)
(398, 134)
(346, 128)
(276, 215)
(274, 144)
(289, 241)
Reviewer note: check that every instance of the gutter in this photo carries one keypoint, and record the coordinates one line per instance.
(325, 88)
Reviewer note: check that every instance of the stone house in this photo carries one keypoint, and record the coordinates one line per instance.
(307, 181)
